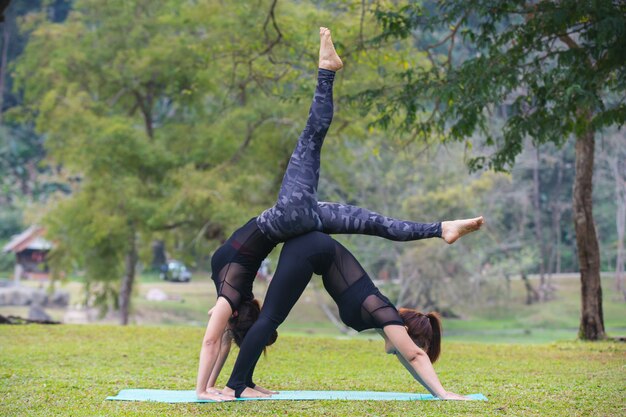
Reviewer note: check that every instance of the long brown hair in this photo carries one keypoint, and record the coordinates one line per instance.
(424, 329)
(247, 314)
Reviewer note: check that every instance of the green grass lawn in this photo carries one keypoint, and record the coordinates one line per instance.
(70, 370)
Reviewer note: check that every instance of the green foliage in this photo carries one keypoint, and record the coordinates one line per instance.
(7, 262)
(97, 93)
(553, 68)
(174, 120)
(10, 223)
(169, 123)
(64, 370)
(24, 176)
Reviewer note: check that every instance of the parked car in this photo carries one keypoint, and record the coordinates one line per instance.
(175, 271)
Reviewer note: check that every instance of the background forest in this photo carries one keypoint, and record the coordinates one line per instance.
(129, 128)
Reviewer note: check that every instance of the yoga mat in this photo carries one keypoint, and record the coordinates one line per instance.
(172, 396)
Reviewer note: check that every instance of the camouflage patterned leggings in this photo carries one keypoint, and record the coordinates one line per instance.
(297, 210)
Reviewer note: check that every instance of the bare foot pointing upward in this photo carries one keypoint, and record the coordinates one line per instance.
(328, 56)
(453, 230)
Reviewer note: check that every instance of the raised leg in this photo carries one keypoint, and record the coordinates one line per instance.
(295, 210)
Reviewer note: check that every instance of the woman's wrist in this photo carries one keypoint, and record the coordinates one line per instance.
(442, 394)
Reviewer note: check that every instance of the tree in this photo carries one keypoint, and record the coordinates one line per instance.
(97, 85)
(166, 122)
(22, 154)
(560, 65)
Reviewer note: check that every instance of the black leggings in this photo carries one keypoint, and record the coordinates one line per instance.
(341, 273)
(295, 268)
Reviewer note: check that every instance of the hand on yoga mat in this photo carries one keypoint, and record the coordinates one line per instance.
(455, 397)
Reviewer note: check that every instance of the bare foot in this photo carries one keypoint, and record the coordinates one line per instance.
(228, 392)
(247, 393)
(451, 231)
(211, 397)
(219, 392)
(252, 393)
(264, 390)
(328, 56)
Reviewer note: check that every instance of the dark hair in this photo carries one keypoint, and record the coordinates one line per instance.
(424, 329)
(247, 314)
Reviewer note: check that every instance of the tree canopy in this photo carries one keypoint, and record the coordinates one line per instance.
(173, 121)
(551, 69)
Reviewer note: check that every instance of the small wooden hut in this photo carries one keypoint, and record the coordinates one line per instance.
(30, 249)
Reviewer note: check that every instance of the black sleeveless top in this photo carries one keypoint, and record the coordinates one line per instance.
(234, 264)
(361, 304)
(362, 307)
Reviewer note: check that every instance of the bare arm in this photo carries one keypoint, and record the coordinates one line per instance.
(221, 359)
(211, 347)
(416, 361)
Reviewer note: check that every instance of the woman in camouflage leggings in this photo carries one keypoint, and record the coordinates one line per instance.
(296, 212)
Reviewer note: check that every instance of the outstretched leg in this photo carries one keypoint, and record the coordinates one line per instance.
(295, 211)
(346, 219)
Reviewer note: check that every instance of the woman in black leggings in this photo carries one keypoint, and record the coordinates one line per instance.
(296, 212)
(413, 337)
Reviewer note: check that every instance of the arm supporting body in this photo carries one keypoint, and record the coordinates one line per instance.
(227, 341)
(209, 364)
(414, 359)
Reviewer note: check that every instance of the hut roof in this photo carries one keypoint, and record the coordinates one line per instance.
(31, 238)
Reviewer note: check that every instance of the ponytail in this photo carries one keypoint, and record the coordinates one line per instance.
(424, 330)
(434, 347)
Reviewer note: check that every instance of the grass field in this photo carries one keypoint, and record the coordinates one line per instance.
(70, 370)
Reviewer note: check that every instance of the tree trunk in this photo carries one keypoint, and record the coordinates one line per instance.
(145, 105)
(126, 289)
(554, 262)
(159, 257)
(531, 294)
(557, 221)
(538, 229)
(3, 63)
(620, 223)
(591, 320)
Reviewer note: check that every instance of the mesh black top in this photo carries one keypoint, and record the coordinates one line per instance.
(361, 305)
(235, 263)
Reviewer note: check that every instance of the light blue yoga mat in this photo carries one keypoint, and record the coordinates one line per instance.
(172, 396)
